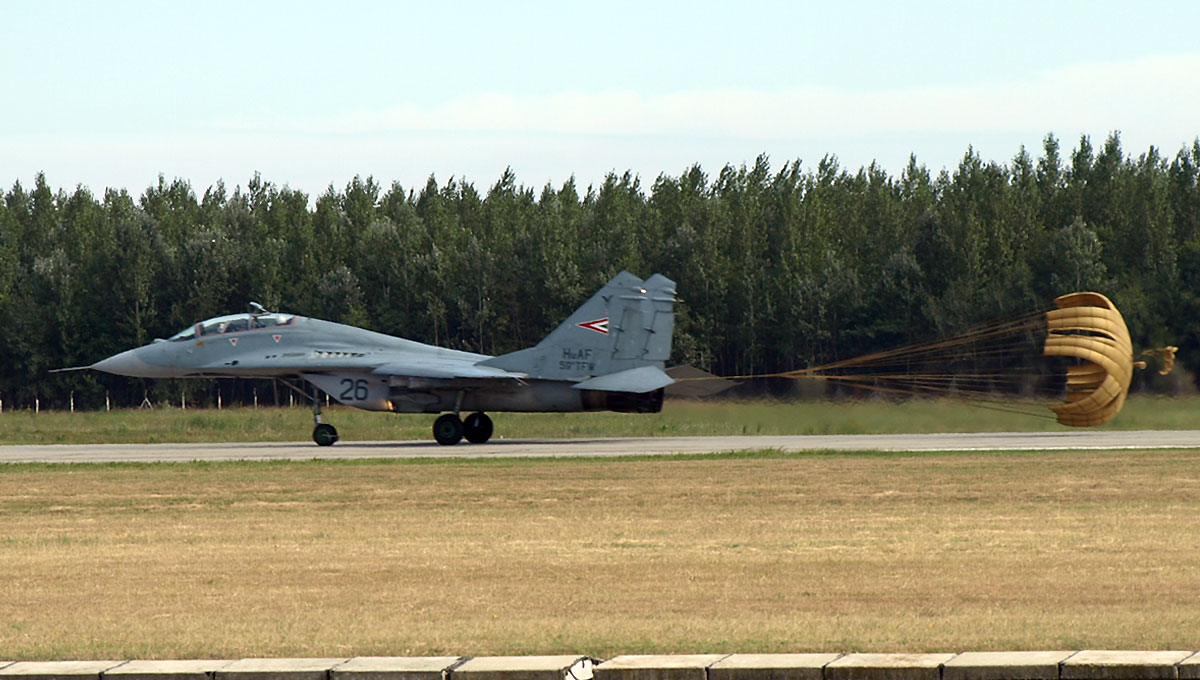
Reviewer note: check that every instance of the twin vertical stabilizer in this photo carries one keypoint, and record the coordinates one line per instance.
(627, 325)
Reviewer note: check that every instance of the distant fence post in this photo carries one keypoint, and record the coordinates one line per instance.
(107, 404)
(37, 406)
(72, 400)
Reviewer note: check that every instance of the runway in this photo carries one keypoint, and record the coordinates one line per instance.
(599, 447)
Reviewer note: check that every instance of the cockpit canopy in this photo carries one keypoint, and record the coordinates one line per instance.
(233, 323)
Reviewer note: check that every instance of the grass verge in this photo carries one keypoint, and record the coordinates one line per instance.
(678, 418)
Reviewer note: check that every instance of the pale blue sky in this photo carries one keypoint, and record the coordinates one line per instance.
(114, 93)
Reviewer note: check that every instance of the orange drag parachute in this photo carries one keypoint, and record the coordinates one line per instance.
(1088, 327)
(1010, 364)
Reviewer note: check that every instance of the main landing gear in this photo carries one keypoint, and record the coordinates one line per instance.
(449, 429)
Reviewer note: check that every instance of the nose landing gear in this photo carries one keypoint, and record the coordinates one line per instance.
(324, 434)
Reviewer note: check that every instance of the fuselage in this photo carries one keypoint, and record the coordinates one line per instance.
(361, 368)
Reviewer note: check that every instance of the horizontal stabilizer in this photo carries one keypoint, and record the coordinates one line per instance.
(637, 380)
(694, 383)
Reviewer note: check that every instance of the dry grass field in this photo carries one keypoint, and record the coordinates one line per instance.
(752, 552)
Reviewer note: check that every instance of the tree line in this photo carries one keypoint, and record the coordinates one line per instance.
(778, 268)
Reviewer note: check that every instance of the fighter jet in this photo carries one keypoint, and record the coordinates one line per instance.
(608, 355)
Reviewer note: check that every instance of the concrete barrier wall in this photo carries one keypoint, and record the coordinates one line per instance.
(1078, 665)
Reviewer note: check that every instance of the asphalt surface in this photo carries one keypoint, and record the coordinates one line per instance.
(500, 448)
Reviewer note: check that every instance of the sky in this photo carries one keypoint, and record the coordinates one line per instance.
(310, 94)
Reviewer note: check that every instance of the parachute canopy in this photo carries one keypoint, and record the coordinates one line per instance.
(1088, 327)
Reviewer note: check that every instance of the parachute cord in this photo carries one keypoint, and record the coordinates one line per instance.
(890, 371)
(993, 330)
(992, 339)
(977, 401)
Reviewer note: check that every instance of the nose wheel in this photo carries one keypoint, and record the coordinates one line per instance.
(325, 434)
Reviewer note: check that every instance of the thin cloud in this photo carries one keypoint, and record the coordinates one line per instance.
(1159, 93)
(550, 138)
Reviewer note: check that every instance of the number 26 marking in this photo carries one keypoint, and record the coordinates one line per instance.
(356, 390)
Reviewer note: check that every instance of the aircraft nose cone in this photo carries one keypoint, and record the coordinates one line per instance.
(127, 363)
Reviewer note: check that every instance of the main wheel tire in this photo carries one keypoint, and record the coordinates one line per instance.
(325, 434)
(478, 428)
(448, 430)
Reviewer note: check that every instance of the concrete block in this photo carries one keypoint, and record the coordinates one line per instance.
(657, 667)
(1189, 668)
(565, 667)
(394, 668)
(190, 669)
(58, 670)
(771, 667)
(887, 667)
(278, 669)
(1004, 666)
(1123, 665)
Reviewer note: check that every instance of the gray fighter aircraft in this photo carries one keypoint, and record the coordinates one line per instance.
(607, 356)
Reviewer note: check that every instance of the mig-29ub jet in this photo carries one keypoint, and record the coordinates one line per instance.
(607, 356)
